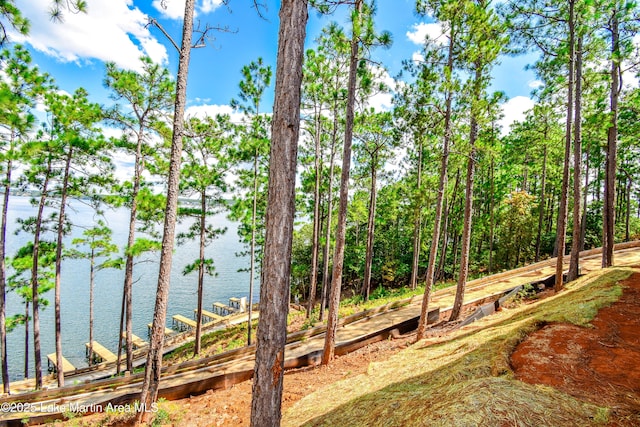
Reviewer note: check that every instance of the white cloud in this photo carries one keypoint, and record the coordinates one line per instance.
(535, 84)
(417, 57)
(211, 110)
(174, 9)
(382, 101)
(208, 6)
(109, 31)
(514, 110)
(421, 30)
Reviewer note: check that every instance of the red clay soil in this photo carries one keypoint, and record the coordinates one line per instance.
(598, 365)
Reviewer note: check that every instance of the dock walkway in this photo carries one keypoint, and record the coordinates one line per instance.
(181, 323)
(167, 331)
(52, 362)
(135, 340)
(222, 309)
(207, 316)
(100, 353)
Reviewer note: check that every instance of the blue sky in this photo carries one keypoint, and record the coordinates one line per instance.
(74, 52)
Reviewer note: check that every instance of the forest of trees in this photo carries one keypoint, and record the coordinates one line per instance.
(430, 190)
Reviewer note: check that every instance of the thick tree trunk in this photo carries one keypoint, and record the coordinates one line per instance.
(153, 367)
(276, 273)
(574, 262)
(338, 256)
(433, 253)
(564, 190)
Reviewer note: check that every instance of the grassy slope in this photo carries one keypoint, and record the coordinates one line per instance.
(465, 378)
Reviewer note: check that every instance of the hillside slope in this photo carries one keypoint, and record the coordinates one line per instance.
(466, 378)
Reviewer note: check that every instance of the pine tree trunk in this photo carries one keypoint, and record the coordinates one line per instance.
(371, 225)
(338, 256)
(254, 215)
(442, 185)
(564, 190)
(203, 235)
(35, 281)
(417, 222)
(327, 244)
(3, 280)
(58, 324)
(276, 272)
(541, 202)
(627, 230)
(92, 277)
(153, 367)
(316, 221)
(26, 340)
(468, 204)
(608, 214)
(492, 216)
(126, 310)
(574, 262)
(585, 194)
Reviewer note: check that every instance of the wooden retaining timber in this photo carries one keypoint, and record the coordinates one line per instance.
(294, 340)
(199, 384)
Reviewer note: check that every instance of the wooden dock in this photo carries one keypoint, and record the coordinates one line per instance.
(238, 304)
(207, 316)
(181, 323)
(66, 365)
(222, 310)
(167, 331)
(100, 353)
(135, 340)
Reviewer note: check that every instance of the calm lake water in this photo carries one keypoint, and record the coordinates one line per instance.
(108, 287)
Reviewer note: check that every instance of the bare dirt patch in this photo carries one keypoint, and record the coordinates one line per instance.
(598, 364)
(232, 407)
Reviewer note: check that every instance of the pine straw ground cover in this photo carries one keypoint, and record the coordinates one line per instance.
(465, 378)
